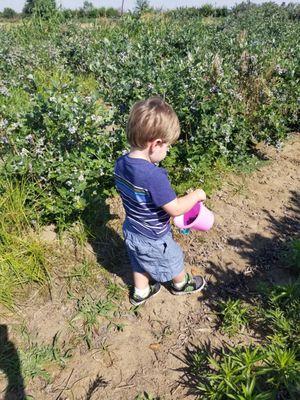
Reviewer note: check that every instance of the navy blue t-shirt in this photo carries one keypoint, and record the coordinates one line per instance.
(144, 189)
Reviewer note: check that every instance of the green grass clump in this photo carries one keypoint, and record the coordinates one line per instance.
(31, 360)
(234, 316)
(37, 358)
(22, 254)
(89, 312)
(248, 373)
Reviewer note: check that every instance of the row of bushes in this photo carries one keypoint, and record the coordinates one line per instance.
(65, 94)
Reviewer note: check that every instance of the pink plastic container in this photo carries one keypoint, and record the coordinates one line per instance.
(199, 218)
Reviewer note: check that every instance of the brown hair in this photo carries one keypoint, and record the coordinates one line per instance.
(152, 119)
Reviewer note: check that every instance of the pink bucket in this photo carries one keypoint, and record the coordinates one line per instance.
(199, 218)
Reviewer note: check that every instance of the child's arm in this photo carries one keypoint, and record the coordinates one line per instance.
(181, 205)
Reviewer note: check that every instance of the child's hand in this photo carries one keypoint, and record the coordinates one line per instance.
(201, 194)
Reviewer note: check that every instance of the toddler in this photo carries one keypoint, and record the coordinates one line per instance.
(149, 202)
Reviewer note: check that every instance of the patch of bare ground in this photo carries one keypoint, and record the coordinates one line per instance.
(255, 216)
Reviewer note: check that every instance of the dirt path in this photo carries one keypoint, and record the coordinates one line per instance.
(255, 216)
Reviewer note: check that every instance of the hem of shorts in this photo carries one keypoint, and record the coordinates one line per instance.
(171, 275)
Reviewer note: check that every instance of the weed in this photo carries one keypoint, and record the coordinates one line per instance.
(88, 311)
(79, 235)
(250, 164)
(22, 254)
(234, 316)
(246, 373)
(33, 360)
(238, 188)
(283, 312)
(81, 271)
(114, 291)
(292, 255)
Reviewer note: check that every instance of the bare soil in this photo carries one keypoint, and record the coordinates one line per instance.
(255, 217)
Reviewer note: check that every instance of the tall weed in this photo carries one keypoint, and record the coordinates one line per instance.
(22, 254)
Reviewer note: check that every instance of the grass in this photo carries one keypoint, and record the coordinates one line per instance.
(30, 361)
(22, 253)
(88, 314)
(37, 358)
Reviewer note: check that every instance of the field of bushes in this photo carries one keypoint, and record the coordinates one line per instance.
(65, 93)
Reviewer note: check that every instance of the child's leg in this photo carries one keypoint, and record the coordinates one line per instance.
(141, 280)
(179, 278)
(143, 290)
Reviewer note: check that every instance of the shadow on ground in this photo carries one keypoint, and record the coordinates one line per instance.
(10, 365)
(263, 255)
(94, 385)
(107, 244)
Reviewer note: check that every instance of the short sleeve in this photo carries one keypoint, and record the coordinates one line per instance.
(160, 187)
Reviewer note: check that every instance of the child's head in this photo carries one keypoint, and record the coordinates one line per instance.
(152, 119)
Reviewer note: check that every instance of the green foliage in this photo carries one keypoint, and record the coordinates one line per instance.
(234, 316)
(90, 13)
(33, 359)
(291, 257)
(206, 10)
(142, 6)
(22, 254)
(40, 8)
(89, 310)
(294, 11)
(247, 373)
(28, 7)
(8, 13)
(36, 359)
(66, 91)
(72, 170)
(283, 313)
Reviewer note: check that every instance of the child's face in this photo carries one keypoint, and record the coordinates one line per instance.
(158, 150)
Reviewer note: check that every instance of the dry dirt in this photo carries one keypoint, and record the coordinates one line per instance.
(255, 216)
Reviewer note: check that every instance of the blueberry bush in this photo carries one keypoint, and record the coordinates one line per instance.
(66, 91)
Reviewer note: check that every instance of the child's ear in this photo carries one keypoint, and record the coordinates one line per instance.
(158, 142)
(155, 143)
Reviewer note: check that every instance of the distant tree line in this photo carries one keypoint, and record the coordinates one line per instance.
(46, 8)
(89, 11)
(9, 13)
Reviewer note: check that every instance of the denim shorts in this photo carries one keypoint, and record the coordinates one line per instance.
(161, 258)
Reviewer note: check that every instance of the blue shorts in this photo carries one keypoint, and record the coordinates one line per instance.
(161, 258)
